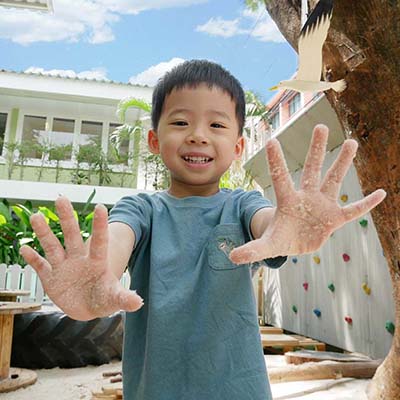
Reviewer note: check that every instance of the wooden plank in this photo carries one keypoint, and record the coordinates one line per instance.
(303, 356)
(271, 330)
(306, 342)
(12, 294)
(325, 370)
(6, 334)
(11, 307)
(280, 340)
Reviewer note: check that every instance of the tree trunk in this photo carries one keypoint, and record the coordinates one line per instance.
(363, 46)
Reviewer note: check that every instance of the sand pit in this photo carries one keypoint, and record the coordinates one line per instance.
(78, 383)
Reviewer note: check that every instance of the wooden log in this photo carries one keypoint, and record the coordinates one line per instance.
(304, 356)
(323, 370)
(116, 379)
(111, 373)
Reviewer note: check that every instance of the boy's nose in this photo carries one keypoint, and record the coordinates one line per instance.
(197, 137)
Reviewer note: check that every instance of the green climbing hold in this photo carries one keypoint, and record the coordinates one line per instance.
(363, 222)
(294, 308)
(331, 287)
(390, 327)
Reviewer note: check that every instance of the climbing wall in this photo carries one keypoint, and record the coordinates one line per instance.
(341, 294)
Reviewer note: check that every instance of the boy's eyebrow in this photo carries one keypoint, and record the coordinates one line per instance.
(211, 111)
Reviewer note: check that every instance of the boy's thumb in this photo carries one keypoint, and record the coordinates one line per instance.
(129, 300)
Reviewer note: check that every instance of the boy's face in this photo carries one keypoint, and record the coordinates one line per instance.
(197, 138)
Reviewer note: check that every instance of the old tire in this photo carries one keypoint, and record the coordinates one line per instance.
(52, 339)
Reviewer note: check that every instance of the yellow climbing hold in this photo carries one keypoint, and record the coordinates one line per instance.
(344, 198)
(366, 288)
(317, 260)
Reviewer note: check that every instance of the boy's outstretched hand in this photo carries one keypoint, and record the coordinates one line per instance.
(78, 279)
(305, 218)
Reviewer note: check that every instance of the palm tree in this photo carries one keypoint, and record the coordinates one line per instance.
(153, 163)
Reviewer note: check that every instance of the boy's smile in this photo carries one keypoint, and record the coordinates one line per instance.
(197, 138)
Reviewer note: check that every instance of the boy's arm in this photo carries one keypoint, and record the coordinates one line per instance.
(260, 221)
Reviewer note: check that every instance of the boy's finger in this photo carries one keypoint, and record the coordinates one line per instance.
(99, 240)
(315, 158)
(72, 236)
(338, 170)
(129, 300)
(361, 207)
(251, 252)
(37, 262)
(281, 179)
(55, 253)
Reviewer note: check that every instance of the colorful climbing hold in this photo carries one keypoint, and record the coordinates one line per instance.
(305, 286)
(390, 327)
(344, 198)
(317, 312)
(363, 223)
(317, 260)
(366, 288)
(331, 287)
(348, 319)
(294, 259)
(346, 257)
(294, 308)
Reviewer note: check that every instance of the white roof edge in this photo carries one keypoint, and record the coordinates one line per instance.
(46, 76)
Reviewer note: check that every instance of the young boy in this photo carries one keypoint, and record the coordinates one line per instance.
(196, 336)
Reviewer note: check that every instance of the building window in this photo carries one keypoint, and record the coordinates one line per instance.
(122, 155)
(294, 104)
(34, 135)
(3, 125)
(275, 121)
(89, 141)
(61, 139)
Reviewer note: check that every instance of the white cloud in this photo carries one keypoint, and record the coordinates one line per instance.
(75, 20)
(221, 27)
(95, 73)
(255, 24)
(151, 75)
(135, 7)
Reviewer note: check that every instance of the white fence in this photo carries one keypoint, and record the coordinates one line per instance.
(25, 278)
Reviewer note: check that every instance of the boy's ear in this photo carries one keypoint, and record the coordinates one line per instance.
(152, 141)
(239, 147)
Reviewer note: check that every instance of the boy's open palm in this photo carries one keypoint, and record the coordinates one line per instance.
(305, 218)
(78, 279)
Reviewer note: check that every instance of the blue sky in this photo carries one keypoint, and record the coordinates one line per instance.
(138, 40)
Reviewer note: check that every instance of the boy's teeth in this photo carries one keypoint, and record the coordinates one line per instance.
(197, 159)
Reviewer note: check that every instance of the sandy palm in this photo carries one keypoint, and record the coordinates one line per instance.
(305, 218)
(78, 278)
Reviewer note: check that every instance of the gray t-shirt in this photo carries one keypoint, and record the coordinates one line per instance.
(197, 335)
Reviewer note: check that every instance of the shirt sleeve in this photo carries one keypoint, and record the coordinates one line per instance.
(133, 211)
(251, 202)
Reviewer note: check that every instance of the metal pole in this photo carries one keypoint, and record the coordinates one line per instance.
(304, 11)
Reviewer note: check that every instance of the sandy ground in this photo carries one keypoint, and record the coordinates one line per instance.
(78, 383)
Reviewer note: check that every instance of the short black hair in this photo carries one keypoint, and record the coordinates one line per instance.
(191, 74)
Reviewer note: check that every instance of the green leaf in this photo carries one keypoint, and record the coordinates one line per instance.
(88, 202)
(49, 214)
(5, 211)
(21, 215)
(129, 102)
(2, 220)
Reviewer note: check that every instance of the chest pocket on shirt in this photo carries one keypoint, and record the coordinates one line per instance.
(224, 238)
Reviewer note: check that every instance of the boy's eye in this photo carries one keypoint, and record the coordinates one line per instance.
(180, 123)
(217, 125)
